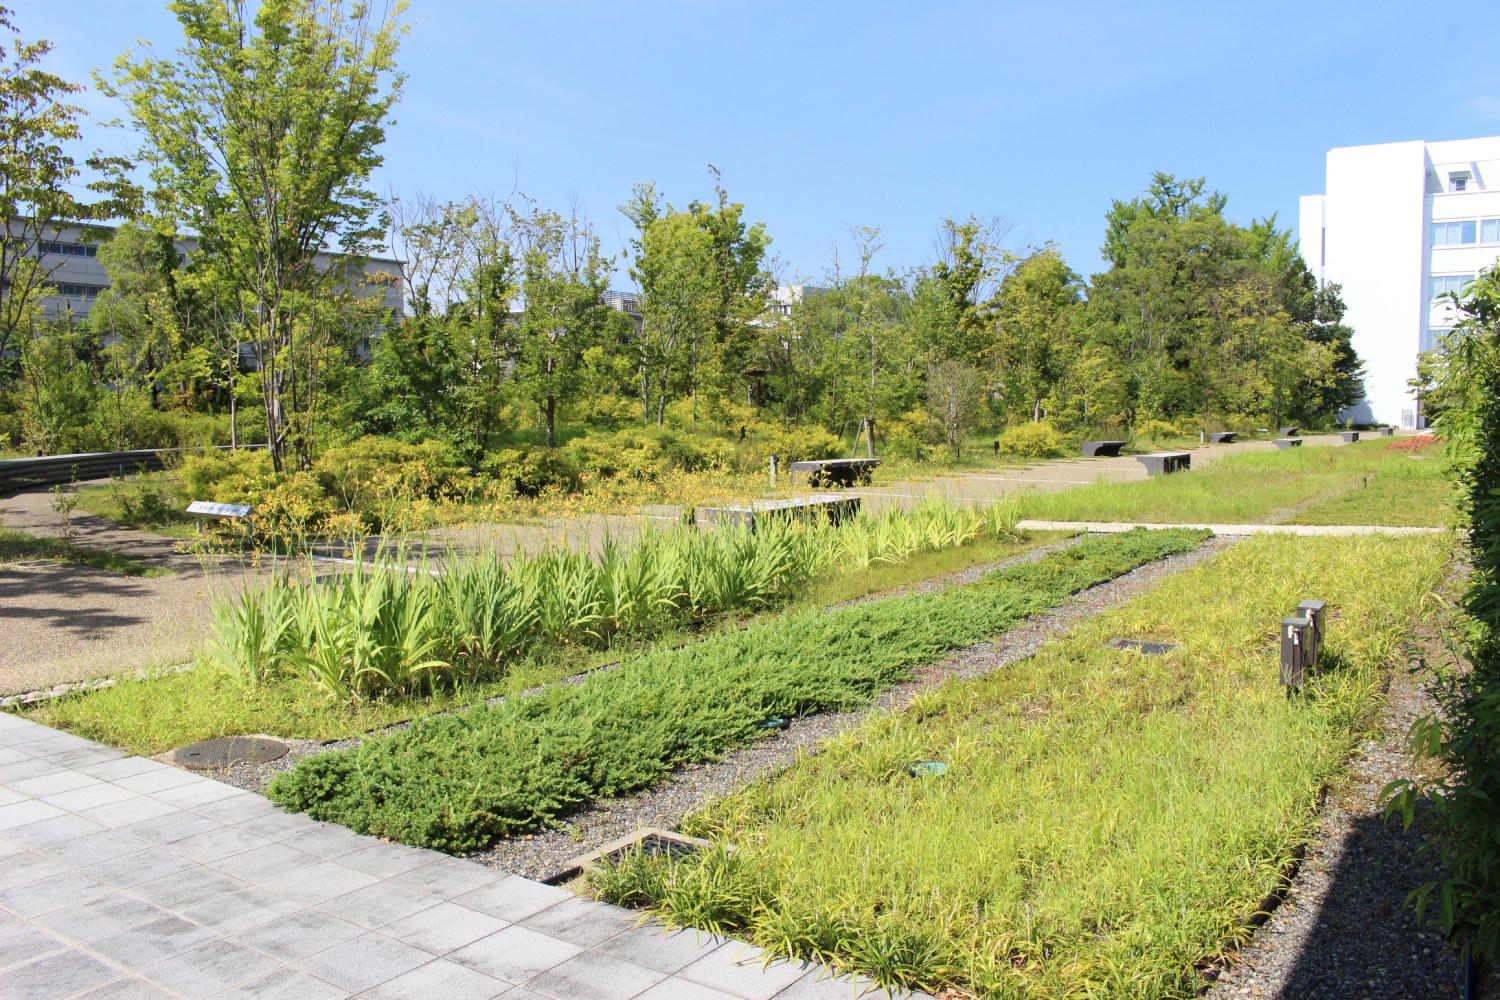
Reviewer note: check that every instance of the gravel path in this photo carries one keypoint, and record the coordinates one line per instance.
(1344, 930)
(544, 854)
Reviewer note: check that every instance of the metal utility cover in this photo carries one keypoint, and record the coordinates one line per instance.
(228, 751)
(1143, 646)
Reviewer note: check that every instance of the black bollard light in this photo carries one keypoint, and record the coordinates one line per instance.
(1315, 612)
(1296, 637)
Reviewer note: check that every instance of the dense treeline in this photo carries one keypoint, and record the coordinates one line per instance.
(514, 333)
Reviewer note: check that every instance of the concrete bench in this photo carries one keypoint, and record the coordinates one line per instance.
(1384, 432)
(1287, 432)
(1222, 437)
(1164, 463)
(843, 472)
(1349, 436)
(1285, 443)
(1105, 449)
(835, 508)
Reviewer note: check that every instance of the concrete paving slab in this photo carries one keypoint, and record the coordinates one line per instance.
(219, 894)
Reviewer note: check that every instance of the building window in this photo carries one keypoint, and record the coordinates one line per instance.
(1447, 234)
(67, 249)
(1489, 231)
(1445, 284)
(79, 291)
(1458, 182)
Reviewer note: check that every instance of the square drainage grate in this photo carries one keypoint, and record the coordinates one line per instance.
(1145, 647)
(652, 842)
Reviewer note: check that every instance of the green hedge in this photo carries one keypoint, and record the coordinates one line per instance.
(456, 782)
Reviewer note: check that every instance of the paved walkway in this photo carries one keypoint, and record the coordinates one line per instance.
(1107, 527)
(121, 877)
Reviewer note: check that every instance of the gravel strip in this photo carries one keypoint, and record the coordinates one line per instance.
(544, 854)
(1345, 929)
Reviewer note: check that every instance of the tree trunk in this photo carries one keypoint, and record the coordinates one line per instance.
(551, 423)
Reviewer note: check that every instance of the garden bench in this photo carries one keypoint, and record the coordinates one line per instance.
(1287, 432)
(1105, 449)
(1285, 443)
(835, 508)
(836, 471)
(1384, 432)
(1349, 436)
(1164, 463)
(1222, 437)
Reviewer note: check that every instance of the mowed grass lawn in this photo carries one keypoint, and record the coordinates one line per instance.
(1364, 483)
(1106, 819)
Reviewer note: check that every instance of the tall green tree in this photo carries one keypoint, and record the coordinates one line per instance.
(261, 135)
(1038, 317)
(38, 177)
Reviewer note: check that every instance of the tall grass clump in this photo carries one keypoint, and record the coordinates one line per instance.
(456, 782)
(392, 624)
(1106, 819)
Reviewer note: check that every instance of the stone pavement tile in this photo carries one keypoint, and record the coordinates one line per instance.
(275, 825)
(448, 878)
(581, 921)
(319, 883)
(595, 976)
(20, 943)
(513, 898)
(187, 888)
(388, 860)
(300, 934)
(215, 967)
(737, 969)
(61, 974)
(290, 984)
(681, 989)
(378, 904)
(51, 784)
(128, 811)
(267, 862)
(171, 827)
(30, 767)
(206, 848)
(21, 737)
(237, 808)
(121, 767)
(239, 911)
(126, 988)
(329, 841)
(820, 985)
(97, 917)
(154, 941)
(22, 814)
(151, 782)
(444, 927)
(28, 867)
(194, 796)
(515, 954)
(661, 949)
(85, 756)
(52, 831)
(133, 869)
(365, 961)
(45, 895)
(89, 797)
(440, 979)
(8, 797)
(96, 847)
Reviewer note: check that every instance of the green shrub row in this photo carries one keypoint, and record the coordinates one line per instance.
(456, 782)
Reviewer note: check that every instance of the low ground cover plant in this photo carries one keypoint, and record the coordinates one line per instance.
(1270, 487)
(1105, 820)
(456, 782)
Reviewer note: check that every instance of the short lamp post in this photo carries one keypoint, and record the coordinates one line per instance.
(1296, 649)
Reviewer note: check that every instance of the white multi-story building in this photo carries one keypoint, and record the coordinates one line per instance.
(1399, 226)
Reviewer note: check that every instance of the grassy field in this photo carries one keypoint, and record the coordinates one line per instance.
(156, 713)
(1320, 483)
(1106, 819)
(18, 546)
(456, 782)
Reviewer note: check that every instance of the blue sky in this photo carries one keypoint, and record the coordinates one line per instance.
(822, 115)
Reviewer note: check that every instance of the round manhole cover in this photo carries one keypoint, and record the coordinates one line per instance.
(229, 751)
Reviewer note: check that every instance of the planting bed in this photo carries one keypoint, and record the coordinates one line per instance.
(1107, 819)
(456, 782)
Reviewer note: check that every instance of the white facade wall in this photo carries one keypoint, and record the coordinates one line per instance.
(1372, 232)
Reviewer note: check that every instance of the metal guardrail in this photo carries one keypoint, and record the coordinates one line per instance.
(24, 473)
